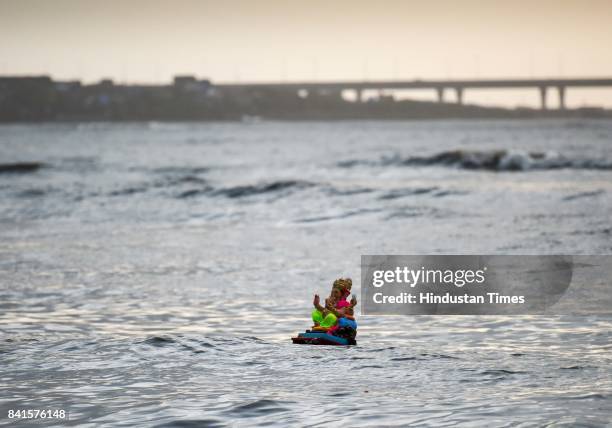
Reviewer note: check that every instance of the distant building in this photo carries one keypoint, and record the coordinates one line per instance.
(191, 84)
(106, 83)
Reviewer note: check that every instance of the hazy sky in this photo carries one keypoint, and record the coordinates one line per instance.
(257, 40)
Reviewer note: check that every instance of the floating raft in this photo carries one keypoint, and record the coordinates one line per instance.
(311, 338)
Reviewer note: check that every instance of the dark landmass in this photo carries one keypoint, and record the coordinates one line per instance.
(41, 99)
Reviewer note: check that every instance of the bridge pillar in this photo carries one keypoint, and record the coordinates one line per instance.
(459, 92)
(359, 94)
(543, 97)
(561, 97)
(440, 94)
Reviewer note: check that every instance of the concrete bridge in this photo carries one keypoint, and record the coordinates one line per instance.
(439, 86)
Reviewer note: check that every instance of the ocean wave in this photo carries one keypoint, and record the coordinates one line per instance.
(338, 216)
(32, 193)
(168, 178)
(491, 160)
(247, 190)
(20, 167)
(584, 195)
(257, 189)
(400, 193)
(335, 191)
(192, 423)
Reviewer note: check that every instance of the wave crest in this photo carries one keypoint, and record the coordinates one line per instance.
(491, 160)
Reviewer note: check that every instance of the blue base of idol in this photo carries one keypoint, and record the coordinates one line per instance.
(310, 338)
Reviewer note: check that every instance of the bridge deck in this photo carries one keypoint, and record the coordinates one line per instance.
(428, 84)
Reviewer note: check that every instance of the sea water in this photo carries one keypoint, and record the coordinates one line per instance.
(153, 274)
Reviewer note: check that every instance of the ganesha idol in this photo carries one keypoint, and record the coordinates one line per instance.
(334, 323)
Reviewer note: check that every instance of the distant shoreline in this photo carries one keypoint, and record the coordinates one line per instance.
(307, 119)
(41, 99)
